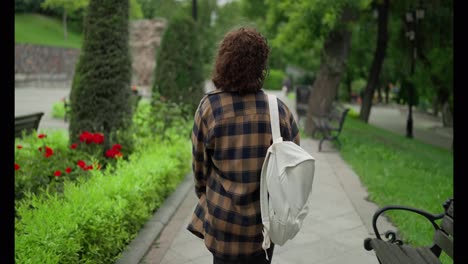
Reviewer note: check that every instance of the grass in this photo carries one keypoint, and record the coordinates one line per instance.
(400, 171)
(42, 30)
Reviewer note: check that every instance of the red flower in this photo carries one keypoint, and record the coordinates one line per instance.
(68, 170)
(73, 146)
(17, 167)
(98, 138)
(42, 136)
(57, 173)
(49, 152)
(40, 149)
(86, 137)
(90, 167)
(81, 164)
(117, 147)
(110, 153)
(19, 147)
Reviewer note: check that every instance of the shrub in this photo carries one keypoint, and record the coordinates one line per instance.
(165, 122)
(58, 110)
(274, 80)
(101, 96)
(179, 73)
(95, 220)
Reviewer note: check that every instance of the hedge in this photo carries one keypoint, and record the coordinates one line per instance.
(274, 80)
(94, 220)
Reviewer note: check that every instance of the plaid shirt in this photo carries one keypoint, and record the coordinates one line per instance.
(230, 138)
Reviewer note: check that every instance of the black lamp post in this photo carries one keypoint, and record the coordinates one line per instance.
(412, 18)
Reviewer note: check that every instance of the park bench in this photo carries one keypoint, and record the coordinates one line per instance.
(330, 126)
(393, 251)
(27, 123)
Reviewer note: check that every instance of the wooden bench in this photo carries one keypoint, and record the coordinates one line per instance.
(393, 251)
(330, 126)
(27, 123)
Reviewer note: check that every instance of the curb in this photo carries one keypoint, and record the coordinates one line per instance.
(137, 249)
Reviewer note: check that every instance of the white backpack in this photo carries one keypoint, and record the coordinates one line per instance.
(285, 185)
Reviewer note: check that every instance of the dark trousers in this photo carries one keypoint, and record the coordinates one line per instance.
(258, 259)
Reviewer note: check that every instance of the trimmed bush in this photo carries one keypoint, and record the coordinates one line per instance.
(274, 80)
(179, 73)
(58, 110)
(96, 219)
(101, 96)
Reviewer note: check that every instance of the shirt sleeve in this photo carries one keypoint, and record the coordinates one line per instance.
(199, 154)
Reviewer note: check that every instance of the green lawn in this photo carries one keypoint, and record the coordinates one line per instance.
(400, 171)
(43, 30)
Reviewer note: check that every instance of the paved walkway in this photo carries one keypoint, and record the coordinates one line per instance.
(426, 128)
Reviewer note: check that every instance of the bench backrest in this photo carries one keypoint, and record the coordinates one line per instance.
(342, 119)
(443, 237)
(27, 123)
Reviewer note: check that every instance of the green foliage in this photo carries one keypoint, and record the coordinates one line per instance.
(161, 121)
(67, 5)
(159, 8)
(299, 23)
(58, 110)
(403, 96)
(353, 114)
(307, 79)
(42, 30)
(135, 10)
(96, 219)
(274, 80)
(101, 96)
(398, 170)
(28, 6)
(179, 74)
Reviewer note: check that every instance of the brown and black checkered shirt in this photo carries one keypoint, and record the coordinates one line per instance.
(230, 138)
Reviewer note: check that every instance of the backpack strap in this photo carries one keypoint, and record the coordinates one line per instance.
(264, 203)
(274, 118)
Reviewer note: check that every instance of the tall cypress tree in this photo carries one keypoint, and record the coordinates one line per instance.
(179, 64)
(100, 94)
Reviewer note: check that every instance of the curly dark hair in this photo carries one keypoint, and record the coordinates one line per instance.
(241, 63)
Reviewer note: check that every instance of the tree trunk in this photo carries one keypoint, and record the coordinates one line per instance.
(379, 94)
(382, 39)
(332, 65)
(348, 87)
(65, 33)
(447, 117)
(387, 91)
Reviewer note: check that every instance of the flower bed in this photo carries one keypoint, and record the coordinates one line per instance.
(94, 220)
(44, 161)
